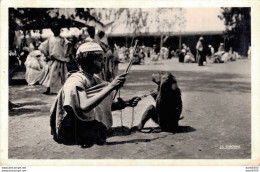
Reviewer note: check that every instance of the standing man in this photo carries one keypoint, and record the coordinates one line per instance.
(200, 51)
(56, 49)
(211, 52)
(108, 65)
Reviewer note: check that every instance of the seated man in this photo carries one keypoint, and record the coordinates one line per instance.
(218, 55)
(189, 57)
(34, 67)
(81, 113)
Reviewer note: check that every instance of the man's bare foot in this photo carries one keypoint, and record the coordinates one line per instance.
(155, 130)
(136, 129)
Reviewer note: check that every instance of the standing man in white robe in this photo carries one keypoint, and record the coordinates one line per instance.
(56, 49)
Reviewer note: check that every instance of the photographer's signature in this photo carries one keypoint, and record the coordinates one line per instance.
(230, 147)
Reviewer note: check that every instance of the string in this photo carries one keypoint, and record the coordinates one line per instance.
(75, 129)
(133, 115)
(121, 112)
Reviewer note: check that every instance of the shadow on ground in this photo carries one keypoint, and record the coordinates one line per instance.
(134, 141)
(180, 129)
(125, 131)
(119, 131)
(14, 82)
(23, 111)
(31, 103)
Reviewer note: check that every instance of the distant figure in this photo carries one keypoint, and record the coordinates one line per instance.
(116, 60)
(184, 49)
(33, 46)
(107, 72)
(56, 50)
(249, 52)
(71, 65)
(142, 53)
(218, 55)
(231, 55)
(172, 54)
(211, 52)
(221, 47)
(221, 50)
(200, 51)
(102, 40)
(182, 53)
(91, 31)
(189, 57)
(154, 53)
(34, 67)
(164, 53)
(23, 55)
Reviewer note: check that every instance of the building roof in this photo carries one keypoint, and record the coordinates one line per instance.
(198, 21)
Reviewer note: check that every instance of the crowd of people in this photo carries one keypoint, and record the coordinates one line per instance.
(204, 53)
(47, 63)
(154, 53)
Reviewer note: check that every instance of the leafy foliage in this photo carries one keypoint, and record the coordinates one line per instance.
(26, 19)
(141, 20)
(238, 28)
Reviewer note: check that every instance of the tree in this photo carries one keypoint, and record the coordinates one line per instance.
(19, 18)
(238, 28)
(141, 20)
(166, 20)
(130, 20)
(27, 19)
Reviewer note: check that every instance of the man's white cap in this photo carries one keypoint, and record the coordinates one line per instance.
(88, 46)
(201, 38)
(209, 46)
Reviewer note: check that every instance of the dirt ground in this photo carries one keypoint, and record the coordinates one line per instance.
(216, 109)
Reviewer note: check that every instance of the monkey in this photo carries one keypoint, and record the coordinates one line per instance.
(168, 108)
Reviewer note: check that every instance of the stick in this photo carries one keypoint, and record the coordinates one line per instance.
(129, 66)
(126, 71)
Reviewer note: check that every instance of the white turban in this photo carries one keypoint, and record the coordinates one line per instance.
(88, 46)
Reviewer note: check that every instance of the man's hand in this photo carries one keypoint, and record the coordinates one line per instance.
(118, 82)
